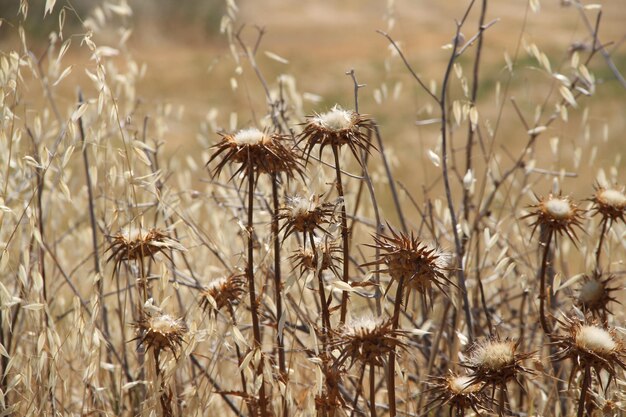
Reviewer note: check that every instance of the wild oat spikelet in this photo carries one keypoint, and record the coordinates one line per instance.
(305, 215)
(418, 264)
(460, 392)
(556, 214)
(610, 203)
(252, 148)
(367, 340)
(223, 292)
(495, 362)
(589, 344)
(595, 294)
(161, 332)
(139, 243)
(336, 128)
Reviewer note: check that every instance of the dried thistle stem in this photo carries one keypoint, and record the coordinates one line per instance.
(326, 327)
(391, 382)
(251, 288)
(583, 391)
(372, 390)
(242, 374)
(277, 280)
(545, 325)
(603, 231)
(344, 235)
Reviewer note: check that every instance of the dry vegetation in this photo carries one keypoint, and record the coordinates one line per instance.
(294, 261)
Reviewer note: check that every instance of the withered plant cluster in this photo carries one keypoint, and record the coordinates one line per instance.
(283, 269)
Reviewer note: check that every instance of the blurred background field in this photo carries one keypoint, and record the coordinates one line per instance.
(190, 71)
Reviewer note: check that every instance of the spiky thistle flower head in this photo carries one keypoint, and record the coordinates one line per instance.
(589, 344)
(337, 127)
(367, 340)
(610, 203)
(556, 214)
(496, 361)
(257, 150)
(328, 254)
(595, 294)
(138, 243)
(305, 215)
(161, 332)
(460, 392)
(223, 292)
(419, 265)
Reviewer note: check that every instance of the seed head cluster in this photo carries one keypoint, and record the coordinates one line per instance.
(223, 292)
(161, 332)
(495, 362)
(418, 265)
(336, 128)
(590, 344)
(253, 149)
(305, 215)
(610, 203)
(367, 340)
(556, 214)
(459, 392)
(595, 294)
(136, 244)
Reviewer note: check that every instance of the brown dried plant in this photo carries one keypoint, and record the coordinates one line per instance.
(413, 263)
(494, 362)
(137, 244)
(459, 392)
(590, 346)
(305, 215)
(336, 128)
(253, 149)
(223, 292)
(595, 294)
(161, 332)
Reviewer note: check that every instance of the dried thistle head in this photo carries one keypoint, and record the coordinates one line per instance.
(336, 128)
(223, 292)
(460, 392)
(256, 150)
(305, 215)
(556, 214)
(589, 344)
(367, 340)
(417, 264)
(328, 252)
(595, 294)
(161, 332)
(495, 362)
(610, 203)
(139, 243)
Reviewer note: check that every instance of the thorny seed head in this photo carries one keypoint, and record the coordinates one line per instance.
(610, 203)
(262, 152)
(367, 340)
(336, 128)
(495, 361)
(161, 332)
(556, 214)
(305, 215)
(328, 252)
(595, 294)
(460, 392)
(417, 264)
(589, 344)
(138, 243)
(222, 292)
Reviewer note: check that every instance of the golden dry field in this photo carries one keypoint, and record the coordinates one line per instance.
(312, 208)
